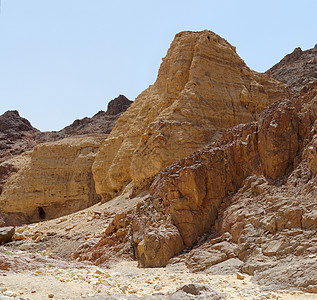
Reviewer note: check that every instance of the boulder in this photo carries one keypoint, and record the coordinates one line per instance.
(6, 234)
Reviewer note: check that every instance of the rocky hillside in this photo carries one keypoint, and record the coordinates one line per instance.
(202, 88)
(17, 135)
(298, 69)
(247, 201)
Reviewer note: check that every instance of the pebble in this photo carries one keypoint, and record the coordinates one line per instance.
(50, 295)
(240, 276)
(9, 293)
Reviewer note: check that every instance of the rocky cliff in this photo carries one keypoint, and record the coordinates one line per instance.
(202, 88)
(54, 179)
(17, 135)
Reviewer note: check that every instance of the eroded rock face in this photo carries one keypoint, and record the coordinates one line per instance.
(278, 138)
(54, 179)
(202, 87)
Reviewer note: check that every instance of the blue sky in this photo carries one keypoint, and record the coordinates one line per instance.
(61, 60)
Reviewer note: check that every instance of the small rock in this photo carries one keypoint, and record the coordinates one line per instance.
(240, 276)
(25, 246)
(19, 236)
(50, 295)
(38, 239)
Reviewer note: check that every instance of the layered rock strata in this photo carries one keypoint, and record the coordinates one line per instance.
(202, 88)
(54, 179)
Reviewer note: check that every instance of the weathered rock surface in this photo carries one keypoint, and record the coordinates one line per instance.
(298, 69)
(259, 212)
(6, 234)
(54, 180)
(202, 87)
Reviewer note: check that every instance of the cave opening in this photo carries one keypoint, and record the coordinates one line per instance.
(42, 214)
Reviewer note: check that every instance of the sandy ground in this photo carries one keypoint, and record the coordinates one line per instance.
(127, 278)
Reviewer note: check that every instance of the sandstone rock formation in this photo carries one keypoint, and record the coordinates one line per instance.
(252, 201)
(298, 69)
(55, 179)
(202, 87)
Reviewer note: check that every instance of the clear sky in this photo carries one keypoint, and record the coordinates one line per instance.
(61, 60)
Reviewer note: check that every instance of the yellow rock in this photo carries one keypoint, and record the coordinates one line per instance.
(55, 180)
(202, 87)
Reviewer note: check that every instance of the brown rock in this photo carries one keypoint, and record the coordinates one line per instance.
(6, 234)
(278, 138)
(17, 134)
(118, 105)
(101, 123)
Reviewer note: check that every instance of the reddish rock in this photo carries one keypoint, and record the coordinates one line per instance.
(278, 138)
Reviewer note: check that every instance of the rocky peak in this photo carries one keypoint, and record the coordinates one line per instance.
(118, 105)
(101, 123)
(12, 121)
(297, 69)
(202, 87)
